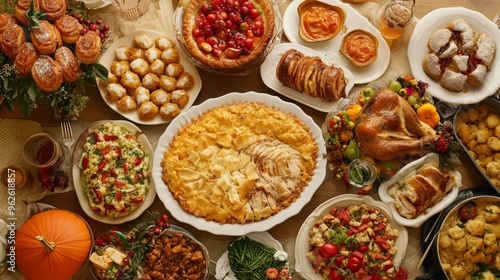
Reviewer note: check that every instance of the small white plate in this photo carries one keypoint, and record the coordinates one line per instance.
(80, 193)
(268, 74)
(417, 48)
(303, 265)
(182, 120)
(222, 266)
(404, 172)
(109, 56)
(354, 20)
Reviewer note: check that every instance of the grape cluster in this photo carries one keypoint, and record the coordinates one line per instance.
(101, 29)
(52, 180)
(445, 136)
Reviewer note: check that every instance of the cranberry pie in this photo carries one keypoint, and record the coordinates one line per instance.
(228, 34)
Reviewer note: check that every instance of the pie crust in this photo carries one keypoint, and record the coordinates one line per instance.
(240, 163)
(224, 62)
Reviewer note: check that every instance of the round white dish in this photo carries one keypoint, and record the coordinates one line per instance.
(417, 48)
(268, 75)
(236, 229)
(302, 264)
(431, 158)
(109, 56)
(354, 20)
(82, 197)
(222, 267)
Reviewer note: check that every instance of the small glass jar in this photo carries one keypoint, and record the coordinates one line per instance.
(43, 152)
(361, 173)
(131, 9)
(396, 15)
(16, 177)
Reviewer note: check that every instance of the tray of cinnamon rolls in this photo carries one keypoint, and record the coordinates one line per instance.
(54, 47)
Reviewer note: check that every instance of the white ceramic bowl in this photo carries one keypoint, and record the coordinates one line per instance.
(302, 264)
(431, 158)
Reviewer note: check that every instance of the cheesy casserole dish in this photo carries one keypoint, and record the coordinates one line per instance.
(239, 163)
(115, 170)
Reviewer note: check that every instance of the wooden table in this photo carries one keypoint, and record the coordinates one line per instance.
(216, 85)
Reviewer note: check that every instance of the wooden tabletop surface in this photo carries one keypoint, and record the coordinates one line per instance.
(216, 85)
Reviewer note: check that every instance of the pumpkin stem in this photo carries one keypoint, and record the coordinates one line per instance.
(48, 245)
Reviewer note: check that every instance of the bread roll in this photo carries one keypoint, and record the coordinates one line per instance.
(70, 28)
(47, 74)
(25, 58)
(53, 9)
(12, 39)
(46, 38)
(88, 48)
(6, 19)
(68, 63)
(20, 10)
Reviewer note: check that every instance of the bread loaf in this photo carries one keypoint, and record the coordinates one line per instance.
(310, 75)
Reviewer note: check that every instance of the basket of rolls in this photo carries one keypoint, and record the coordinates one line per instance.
(48, 53)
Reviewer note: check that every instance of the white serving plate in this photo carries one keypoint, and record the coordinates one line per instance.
(417, 48)
(82, 197)
(404, 172)
(222, 265)
(109, 56)
(302, 264)
(236, 229)
(268, 75)
(353, 20)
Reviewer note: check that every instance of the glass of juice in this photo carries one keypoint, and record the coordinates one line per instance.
(43, 152)
(396, 15)
(361, 173)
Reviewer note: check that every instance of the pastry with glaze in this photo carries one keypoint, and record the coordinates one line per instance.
(69, 64)
(25, 58)
(12, 39)
(46, 38)
(47, 73)
(20, 10)
(53, 9)
(70, 29)
(88, 48)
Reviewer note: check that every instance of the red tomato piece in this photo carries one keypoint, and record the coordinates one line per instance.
(328, 250)
(354, 264)
(468, 211)
(335, 275)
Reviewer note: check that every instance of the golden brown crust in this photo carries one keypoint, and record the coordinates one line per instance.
(241, 162)
(25, 58)
(12, 39)
(46, 73)
(88, 48)
(54, 9)
(68, 63)
(5, 20)
(226, 63)
(70, 28)
(20, 10)
(46, 38)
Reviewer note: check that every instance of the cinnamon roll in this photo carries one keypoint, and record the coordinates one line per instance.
(70, 28)
(69, 65)
(20, 10)
(47, 73)
(12, 39)
(25, 58)
(6, 19)
(88, 48)
(54, 9)
(46, 38)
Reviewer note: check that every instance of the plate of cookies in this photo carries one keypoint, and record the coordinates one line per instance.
(150, 79)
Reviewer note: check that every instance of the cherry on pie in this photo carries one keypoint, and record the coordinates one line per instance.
(228, 34)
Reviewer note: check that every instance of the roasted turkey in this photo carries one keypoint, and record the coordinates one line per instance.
(388, 127)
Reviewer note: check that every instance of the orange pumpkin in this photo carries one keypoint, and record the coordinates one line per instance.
(52, 245)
